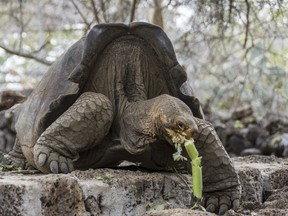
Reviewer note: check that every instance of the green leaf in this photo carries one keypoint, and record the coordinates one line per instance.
(238, 125)
(99, 178)
(108, 176)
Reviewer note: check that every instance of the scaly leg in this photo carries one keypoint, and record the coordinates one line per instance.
(81, 127)
(220, 180)
(16, 157)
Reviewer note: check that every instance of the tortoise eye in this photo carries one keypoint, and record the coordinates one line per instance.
(180, 125)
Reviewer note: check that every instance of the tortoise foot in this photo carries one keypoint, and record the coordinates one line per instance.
(15, 157)
(47, 160)
(221, 201)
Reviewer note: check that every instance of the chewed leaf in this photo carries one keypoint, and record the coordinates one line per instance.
(178, 157)
(109, 176)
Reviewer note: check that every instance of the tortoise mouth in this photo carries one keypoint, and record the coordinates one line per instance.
(178, 136)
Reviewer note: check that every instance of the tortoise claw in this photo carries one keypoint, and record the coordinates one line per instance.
(210, 208)
(42, 159)
(47, 160)
(211, 204)
(66, 164)
(54, 167)
(223, 209)
(222, 201)
(236, 204)
(64, 168)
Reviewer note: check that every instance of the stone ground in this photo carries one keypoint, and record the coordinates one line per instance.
(264, 183)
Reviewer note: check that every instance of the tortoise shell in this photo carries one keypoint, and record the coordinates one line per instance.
(72, 73)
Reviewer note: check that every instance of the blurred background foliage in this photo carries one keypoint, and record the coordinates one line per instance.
(234, 51)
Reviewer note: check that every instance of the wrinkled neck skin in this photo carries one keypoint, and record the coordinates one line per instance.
(137, 128)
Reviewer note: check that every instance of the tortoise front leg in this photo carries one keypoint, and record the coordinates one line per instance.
(79, 128)
(220, 180)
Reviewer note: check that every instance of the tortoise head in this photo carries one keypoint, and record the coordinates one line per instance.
(174, 120)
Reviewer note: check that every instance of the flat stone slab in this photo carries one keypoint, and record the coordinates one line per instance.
(92, 192)
(126, 192)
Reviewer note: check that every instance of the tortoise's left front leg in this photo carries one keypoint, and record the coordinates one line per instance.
(220, 180)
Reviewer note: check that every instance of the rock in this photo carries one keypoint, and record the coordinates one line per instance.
(177, 212)
(269, 136)
(9, 139)
(249, 120)
(276, 144)
(253, 132)
(8, 98)
(275, 122)
(235, 144)
(278, 199)
(39, 195)
(233, 136)
(264, 183)
(260, 140)
(243, 131)
(2, 141)
(117, 192)
(7, 131)
(242, 112)
(251, 151)
(263, 179)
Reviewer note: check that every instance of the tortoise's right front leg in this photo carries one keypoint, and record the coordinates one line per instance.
(221, 182)
(79, 128)
(16, 157)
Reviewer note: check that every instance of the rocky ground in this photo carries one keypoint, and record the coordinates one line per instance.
(264, 183)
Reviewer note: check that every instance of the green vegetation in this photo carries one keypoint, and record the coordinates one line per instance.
(197, 183)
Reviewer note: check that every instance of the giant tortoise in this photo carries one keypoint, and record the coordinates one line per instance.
(116, 95)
